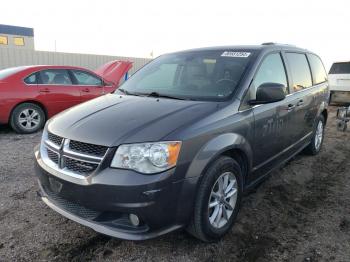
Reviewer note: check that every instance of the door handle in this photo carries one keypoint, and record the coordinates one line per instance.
(86, 90)
(290, 107)
(45, 90)
(300, 103)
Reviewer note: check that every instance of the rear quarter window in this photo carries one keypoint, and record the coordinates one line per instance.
(318, 72)
(340, 68)
(31, 80)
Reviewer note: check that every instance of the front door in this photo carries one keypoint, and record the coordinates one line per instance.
(91, 86)
(272, 129)
(56, 90)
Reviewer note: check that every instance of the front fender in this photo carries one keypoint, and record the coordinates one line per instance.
(206, 155)
(215, 147)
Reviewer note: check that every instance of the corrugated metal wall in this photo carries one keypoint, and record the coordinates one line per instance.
(10, 57)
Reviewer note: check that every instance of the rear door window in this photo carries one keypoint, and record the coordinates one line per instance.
(340, 68)
(55, 77)
(300, 71)
(85, 78)
(318, 72)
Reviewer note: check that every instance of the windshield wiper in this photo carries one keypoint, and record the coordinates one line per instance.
(152, 94)
(156, 94)
(126, 92)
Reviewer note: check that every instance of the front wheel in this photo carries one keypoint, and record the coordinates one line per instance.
(217, 201)
(317, 139)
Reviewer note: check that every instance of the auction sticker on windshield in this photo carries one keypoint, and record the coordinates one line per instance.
(235, 54)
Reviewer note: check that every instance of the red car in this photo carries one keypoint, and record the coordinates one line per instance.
(29, 95)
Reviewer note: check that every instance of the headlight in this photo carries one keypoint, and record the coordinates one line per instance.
(147, 157)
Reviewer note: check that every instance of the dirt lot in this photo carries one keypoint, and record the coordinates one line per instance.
(301, 213)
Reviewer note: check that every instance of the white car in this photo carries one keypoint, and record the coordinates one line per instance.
(339, 82)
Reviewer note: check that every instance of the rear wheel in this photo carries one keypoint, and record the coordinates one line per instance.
(27, 118)
(218, 200)
(318, 135)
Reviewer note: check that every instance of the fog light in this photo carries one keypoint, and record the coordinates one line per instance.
(134, 219)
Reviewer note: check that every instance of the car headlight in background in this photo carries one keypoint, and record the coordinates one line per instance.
(147, 157)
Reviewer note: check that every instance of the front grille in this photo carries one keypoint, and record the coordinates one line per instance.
(86, 148)
(54, 138)
(72, 157)
(71, 207)
(80, 167)
(52, 155)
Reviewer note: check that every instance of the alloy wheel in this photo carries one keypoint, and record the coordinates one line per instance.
(29, 118)
(319, 135)
(222, 200)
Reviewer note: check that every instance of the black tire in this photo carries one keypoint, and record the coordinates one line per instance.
(311, 149)
(200, 226)
(21, 129)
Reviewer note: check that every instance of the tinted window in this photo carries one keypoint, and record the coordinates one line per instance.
(85, 78)
(271, 71)
(340, 68)
(55, 77)
(31, 80)
(318, 72)
(202, 75)
(300, 71)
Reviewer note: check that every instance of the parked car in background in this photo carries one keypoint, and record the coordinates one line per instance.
(339, 82)
(29, 95)
(178, 143)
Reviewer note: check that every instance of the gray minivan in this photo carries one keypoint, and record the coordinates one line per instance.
(179, 142)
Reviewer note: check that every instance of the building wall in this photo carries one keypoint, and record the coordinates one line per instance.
(11, 57)
(28, 42)
(17, 37)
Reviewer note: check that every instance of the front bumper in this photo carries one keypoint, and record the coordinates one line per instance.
(104, 201)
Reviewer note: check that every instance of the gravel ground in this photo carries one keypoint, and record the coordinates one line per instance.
(301, 213)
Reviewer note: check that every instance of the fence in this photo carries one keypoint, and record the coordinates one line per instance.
(11, 57)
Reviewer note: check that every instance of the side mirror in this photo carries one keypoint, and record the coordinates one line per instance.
(269, 93)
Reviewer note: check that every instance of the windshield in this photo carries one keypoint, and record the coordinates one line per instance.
(9, 71)
(198, 75)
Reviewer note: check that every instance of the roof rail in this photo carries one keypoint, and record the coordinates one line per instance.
(268, 43)
(273, 43)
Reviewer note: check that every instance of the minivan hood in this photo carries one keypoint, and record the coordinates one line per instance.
(113, 71)
(114, 119)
